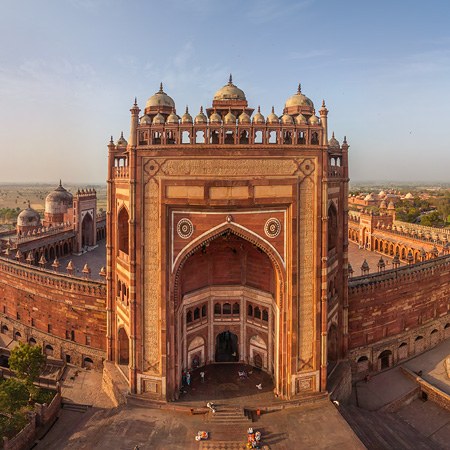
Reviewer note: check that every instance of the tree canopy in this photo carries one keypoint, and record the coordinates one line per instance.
(27, 362)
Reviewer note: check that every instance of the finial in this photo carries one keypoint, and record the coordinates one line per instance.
(332, 134)
(345, 139)
(259, 109)
(201, 109)
(273, 110)
(323, 103)
(60, 184)
(161, 87)
(121, 135)
(29, 206)
(135, 101)
(187, 109)
(111, 141)
(299, 89)
(230, 81)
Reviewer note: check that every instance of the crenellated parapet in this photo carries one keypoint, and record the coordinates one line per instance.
(44, 277)
(406, 274)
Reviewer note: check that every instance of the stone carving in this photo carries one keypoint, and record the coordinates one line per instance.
(152, 283)
(272, 228)
(185, 228)
(229, 167)
(306, 319)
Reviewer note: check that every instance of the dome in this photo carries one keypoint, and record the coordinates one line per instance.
(286, 119)
(244, 118)
(301, 120)
(313, 120)
(391, 205)
(229, 92)
(145, 120)
(409, 195)
(383, 205)
(215, 118)
(382, 194)
(28, 218)
(122, 142)
(334, 143)
(173, 118)
(58, 200)
(299, 99)
(272, 117)
(258, 118)
(186, 117)
(369, 197)
(158, 119)
(229, 118)
(160, 99)
(200, 118)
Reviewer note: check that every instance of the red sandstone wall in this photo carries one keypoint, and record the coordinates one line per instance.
(397, 307)
(32, 299)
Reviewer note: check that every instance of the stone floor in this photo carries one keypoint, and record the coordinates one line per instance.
(317, 425)
(356, 257)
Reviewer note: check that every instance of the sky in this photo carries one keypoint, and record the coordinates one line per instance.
(70, 69)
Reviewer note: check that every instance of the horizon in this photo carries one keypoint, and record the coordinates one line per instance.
(384, 77)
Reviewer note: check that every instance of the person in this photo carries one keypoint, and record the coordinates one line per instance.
(188, 378)
(183, 378)
(202, 376)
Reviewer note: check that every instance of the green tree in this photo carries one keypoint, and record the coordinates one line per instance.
(13, 395)
(432, 219)
(27, 362)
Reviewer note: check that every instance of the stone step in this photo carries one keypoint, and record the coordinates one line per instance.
(221, 445)
(77, 407)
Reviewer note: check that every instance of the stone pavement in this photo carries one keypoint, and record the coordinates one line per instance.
(317, 425)
(356, 257)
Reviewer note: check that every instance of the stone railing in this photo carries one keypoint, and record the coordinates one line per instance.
(44, 232)
(121, 172)
(405, 273)
(60, 281)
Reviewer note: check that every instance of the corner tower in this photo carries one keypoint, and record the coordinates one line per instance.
(226, 243)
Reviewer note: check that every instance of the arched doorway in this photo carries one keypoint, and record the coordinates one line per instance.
(385, 359)
(227, 349)
(87, 231)
(332, 345)
(124, 348)
(237, 283)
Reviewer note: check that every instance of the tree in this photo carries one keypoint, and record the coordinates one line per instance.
(27, 362)
(13, 395)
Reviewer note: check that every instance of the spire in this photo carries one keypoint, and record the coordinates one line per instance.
(201, 109)
(230, 80)
(259, 109)
(323, 103)
(332, 134)
(273, 110)
(121, 135)
(29, 206)
(187, 109)
(135, 101)
(60, 184)
(111, 141)
(161, 87)
(299, 89)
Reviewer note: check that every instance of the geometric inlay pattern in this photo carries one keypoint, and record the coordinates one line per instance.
(185, 228)
(272, 228)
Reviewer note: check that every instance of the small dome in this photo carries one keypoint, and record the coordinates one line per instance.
(313, 120)
(160, 99)
(286, 119)
(391, 205)
(272, 117)
(369, 197)
(244, 118)
(383, 205)
(173, 118)
(301, 120)
(334, 143)
(258, 118)
(58, 200)
(382, 194)
(158, 119)
(145, 120)
(122, 142)
(298, 99)
(200, 118)
(28, 218)
(409, 195)
(215, 118)
(229, 92)
(230, 118)
(186, 117)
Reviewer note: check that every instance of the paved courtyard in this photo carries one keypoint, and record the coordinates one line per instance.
(356, 257)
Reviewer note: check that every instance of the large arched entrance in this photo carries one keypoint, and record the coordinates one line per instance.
(228, 292)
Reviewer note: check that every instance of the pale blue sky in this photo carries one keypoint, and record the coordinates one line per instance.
(70, 69)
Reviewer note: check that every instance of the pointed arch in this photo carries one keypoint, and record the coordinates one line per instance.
(123, 230)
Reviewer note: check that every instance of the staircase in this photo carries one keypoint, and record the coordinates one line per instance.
(76, 407)
(229, 415)
(384, 431)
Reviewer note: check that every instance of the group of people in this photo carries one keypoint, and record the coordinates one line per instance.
(186, 378)
(253, 438)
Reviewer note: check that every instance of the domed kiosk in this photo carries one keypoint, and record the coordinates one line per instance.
(28, 220)
(57, 204)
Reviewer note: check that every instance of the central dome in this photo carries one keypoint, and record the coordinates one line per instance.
(230, 92)
(160, 99)
(299, 99)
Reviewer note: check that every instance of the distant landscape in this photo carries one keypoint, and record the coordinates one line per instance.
(14, 197)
